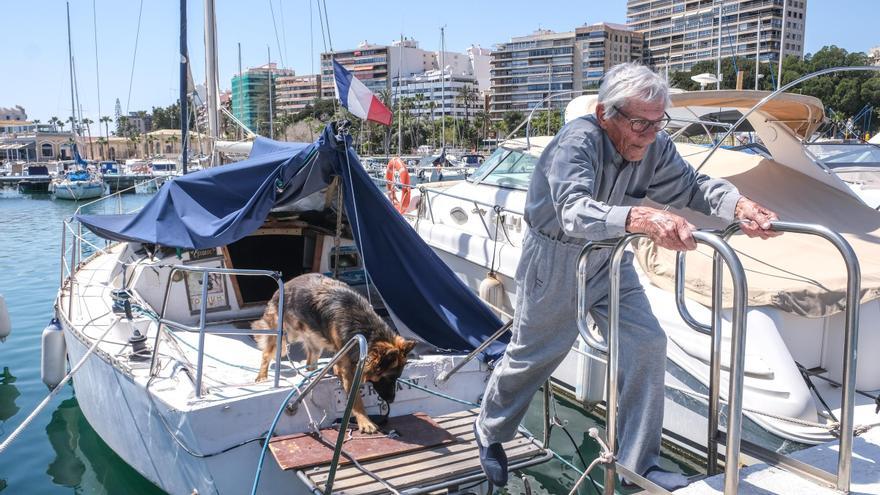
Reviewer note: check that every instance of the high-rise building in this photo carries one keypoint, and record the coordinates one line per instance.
(481, 59)
(250, 96)
(680, 33)
(293, 93)
(526, 70)
(369, 63)
(434, 94)
(603, 46)
(377, 65)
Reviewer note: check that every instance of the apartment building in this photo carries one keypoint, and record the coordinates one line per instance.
(603, 46)
(680, 33)
(435, 93)
(250, 96)
(526, 70)
(293, 93)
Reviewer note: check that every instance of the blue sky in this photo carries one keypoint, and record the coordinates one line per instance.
(34, 39)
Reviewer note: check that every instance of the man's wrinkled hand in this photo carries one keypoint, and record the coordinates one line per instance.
(755, 219)
(667, 230)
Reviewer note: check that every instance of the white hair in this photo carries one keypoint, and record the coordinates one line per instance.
(631, 81)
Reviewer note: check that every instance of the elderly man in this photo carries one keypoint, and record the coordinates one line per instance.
(588, 185)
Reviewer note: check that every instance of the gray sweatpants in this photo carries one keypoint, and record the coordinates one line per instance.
(544, 329)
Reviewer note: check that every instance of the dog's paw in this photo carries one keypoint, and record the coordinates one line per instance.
(261, 378)
(366, 426)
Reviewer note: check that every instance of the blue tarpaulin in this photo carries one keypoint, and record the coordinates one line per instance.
(218, 206)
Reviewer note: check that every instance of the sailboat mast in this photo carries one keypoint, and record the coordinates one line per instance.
(211, 70)
(718, 69)
(399, 99)
(184, 103)
(758, 55)
(442, 88)
(70, 65)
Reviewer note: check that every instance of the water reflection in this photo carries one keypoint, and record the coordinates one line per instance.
(84, 462)
(8, 394)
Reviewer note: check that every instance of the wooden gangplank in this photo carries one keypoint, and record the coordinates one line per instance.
(430, 466)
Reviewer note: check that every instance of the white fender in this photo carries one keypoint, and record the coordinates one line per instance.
(5, 323)
(492, 291)
(53, 359)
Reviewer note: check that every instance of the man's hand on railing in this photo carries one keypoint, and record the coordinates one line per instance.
(755, 219)
(667, 230)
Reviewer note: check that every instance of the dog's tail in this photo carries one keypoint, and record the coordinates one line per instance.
(262, 339)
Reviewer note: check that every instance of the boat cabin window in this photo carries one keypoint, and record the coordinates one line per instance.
(506, 168)
(164, 167)
(839, 155)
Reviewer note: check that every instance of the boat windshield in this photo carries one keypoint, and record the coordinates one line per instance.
(506, 168)
(842, 155)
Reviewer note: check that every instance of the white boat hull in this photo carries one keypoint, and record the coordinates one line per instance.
(129, 418)
(76, 191)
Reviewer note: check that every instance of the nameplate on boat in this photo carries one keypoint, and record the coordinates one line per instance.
(200, 254)
(398, 435)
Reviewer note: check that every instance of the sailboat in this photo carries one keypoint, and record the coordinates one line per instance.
(85, 182)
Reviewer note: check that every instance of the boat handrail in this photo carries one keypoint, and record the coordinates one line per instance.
(737, 358)
(842, 479)
(202, 329)
(443, 376)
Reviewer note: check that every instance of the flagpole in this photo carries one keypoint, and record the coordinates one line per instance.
(399, 99)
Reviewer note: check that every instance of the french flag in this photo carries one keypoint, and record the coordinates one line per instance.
(357, 98)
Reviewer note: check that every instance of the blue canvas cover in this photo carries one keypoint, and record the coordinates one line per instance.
(218, 206)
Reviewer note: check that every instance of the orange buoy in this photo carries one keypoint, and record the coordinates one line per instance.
(397, 174)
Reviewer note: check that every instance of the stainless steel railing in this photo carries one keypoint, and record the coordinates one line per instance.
(842, 479)
(737, 360)
(202, 329)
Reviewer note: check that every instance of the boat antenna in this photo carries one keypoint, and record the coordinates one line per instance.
(184, 103)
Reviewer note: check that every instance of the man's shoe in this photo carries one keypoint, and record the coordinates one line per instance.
(493, 460)
(665, 479)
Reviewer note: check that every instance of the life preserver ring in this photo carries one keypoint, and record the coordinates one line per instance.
(395, 173)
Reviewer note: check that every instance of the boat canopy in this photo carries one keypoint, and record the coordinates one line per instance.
(800, 113)
(796, 273)
(221, 205)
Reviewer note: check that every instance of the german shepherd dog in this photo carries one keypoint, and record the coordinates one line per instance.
(323, 314)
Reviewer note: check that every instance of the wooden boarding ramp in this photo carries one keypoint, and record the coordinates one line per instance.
(422, 455)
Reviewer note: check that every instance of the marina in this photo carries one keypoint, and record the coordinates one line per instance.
(600, 258)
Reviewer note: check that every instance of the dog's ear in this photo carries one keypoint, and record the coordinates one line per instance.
(405, 346)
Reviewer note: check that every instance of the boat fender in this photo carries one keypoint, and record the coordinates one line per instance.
(5, 323)
(53, 359)
(492, 290)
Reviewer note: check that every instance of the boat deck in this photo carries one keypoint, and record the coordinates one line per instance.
(761, 479)
(423, 471)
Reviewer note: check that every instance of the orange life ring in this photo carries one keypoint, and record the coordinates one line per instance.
(397, 167)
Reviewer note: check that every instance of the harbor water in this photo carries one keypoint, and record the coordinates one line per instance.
(59, 452)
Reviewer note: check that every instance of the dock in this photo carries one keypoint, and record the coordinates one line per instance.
(763, 479)
(40, 183)
(447, 464)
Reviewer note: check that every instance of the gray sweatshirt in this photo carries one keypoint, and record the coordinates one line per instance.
(582, 189)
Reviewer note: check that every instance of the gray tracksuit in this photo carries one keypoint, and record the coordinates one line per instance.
(582, 190)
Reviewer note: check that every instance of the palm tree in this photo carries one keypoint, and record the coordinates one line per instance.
(150, 140)
(106, 121)
(73, 127)
(53, 122)
(102, 142)
(86, 121)
(174, 139)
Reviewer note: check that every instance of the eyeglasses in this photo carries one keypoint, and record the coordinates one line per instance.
(642, 125)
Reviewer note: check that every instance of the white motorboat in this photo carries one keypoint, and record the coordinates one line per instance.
(796, 284)
(78, 185)
(157, 329)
